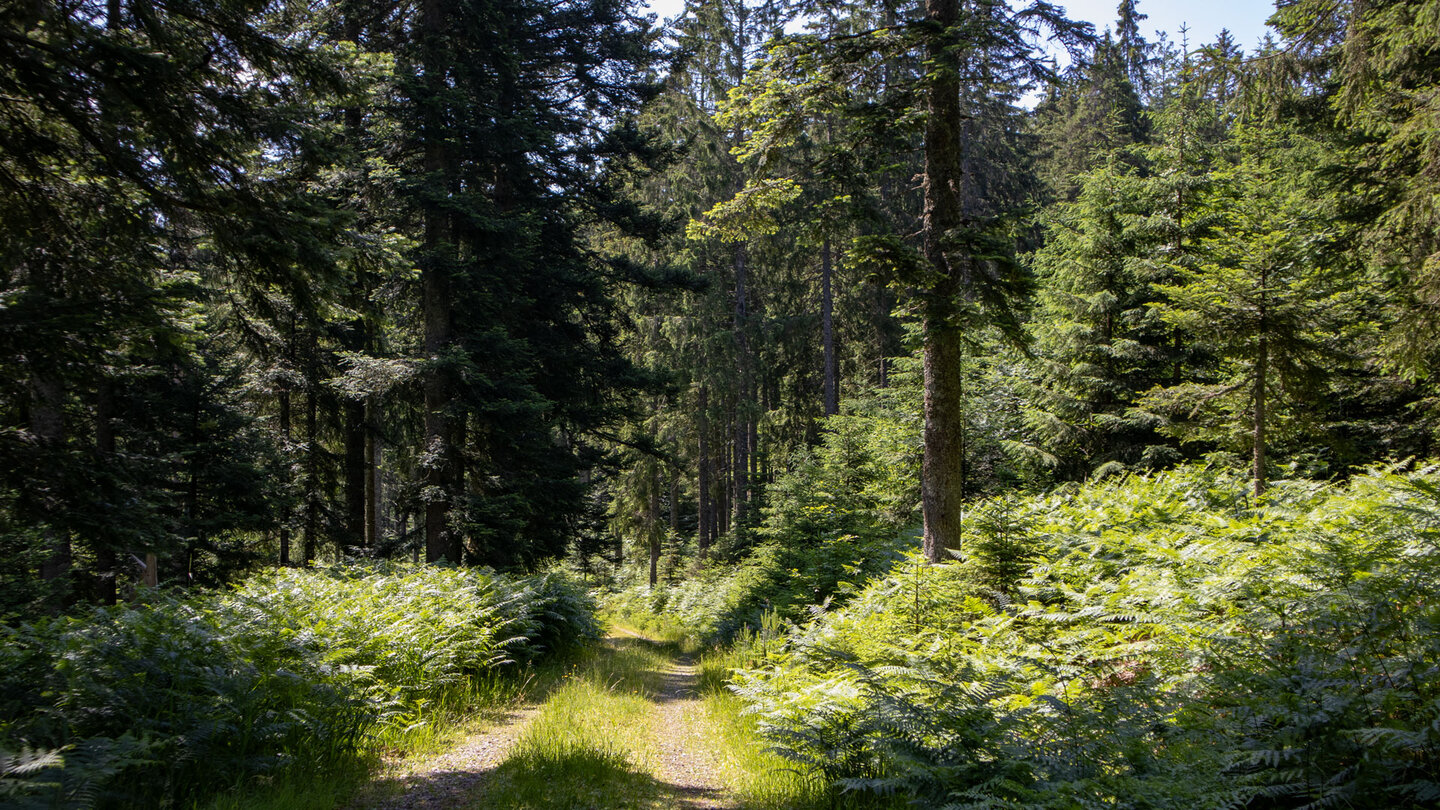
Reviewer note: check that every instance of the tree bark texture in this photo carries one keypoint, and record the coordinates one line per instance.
(310, 541)
(435, 284)
(705, 507)
(943, 458)
(675, 502)
(285, 436)
(827, 331)
(374, 493)
(740, 446)
(355, 472)
(106, 558)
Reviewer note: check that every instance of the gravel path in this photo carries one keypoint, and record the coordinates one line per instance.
(459, 777)
(684, 762)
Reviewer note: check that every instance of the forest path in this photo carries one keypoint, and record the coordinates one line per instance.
(683, 761)
(624, 727)
(454, 777)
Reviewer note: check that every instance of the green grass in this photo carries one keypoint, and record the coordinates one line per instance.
(589, 745)
(660, 629)
(592, 743)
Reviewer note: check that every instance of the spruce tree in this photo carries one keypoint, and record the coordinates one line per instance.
(1263, 300)
(1099, 341)
(515, 109)
(140, 142)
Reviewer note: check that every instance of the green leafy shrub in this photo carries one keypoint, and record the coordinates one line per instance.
(157, 702)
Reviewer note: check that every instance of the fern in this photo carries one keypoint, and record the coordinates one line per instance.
(1165, 643)
(168, 700)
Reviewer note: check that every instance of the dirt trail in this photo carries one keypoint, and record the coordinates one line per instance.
(461, 776)
(454, 778)
(684, 761)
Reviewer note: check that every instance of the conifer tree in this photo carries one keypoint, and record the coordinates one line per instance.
(1263, 300)
(516, 107)
(139, 148)
(1091, 118)
(980, 59)
(1385, 63)
(962, 275)
(1134, 52)
(1099, 341)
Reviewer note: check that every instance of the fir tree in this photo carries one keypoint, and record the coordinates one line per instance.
(1263, 300)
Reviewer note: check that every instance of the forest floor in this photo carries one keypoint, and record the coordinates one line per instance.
(623, 727)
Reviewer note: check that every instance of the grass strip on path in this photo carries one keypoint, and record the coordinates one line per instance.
(607, 738)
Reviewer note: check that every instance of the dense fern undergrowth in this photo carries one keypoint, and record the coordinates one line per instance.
(1145, 642)
(165, 701)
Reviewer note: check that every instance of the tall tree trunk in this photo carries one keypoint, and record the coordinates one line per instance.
(652, 521)
(192, 495)
(702, 485)
(285, 434)
(311, 539)
(361, 445)
(827, 332)
(752, 452)
(724, 490)
(741, 441)
(47, 425)
(720, 506)
(151, 577)
(374, 494)
(355, 472)
(435, 283)
(675, 502)
(942, 465)
(105, 554)
(436, 450)
(456, 549)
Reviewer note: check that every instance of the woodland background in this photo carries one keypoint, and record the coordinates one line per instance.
(1035, 435)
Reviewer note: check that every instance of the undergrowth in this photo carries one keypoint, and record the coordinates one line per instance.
(758, 776)
(1147, 642)
(835, 518)
(295, 674)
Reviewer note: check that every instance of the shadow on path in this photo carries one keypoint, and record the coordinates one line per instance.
(489, 771)
(577, 779)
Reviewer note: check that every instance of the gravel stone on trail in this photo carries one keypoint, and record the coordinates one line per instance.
(684, 762)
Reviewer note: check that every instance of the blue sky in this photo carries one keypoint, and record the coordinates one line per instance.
(1244, 18)
(1205, 18)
